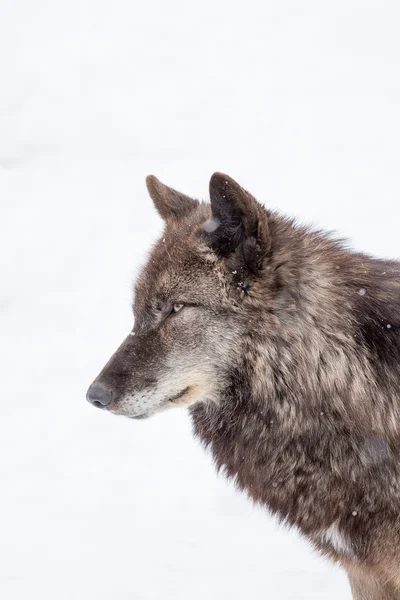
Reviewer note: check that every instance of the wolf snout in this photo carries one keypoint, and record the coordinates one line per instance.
(99, 394)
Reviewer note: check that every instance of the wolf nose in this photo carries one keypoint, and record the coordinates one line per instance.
(99, 395)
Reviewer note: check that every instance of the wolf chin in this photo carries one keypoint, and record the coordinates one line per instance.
(285, 346)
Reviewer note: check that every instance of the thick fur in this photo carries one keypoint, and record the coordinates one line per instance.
(287, 351)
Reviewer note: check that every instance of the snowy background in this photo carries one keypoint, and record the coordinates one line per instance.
(299, 101)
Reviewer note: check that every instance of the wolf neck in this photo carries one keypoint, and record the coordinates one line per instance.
(275, 453)
(308, 467)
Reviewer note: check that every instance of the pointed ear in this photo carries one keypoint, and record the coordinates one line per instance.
(169, 203)
(242, 222)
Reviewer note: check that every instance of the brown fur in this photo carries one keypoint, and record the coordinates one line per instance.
(288, 352)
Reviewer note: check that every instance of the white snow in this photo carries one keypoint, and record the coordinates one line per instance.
(298, 101)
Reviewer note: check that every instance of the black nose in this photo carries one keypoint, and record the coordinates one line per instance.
(99, 395)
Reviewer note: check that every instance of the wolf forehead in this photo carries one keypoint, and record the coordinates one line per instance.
(179, 261)
(174, 270)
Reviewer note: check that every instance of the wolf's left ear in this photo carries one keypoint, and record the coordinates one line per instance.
(170, 203)
(242, 225)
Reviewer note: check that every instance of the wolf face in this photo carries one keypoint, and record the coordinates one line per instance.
(190, 303)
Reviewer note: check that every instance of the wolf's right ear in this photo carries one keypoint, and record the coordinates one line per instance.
(170, 203)
(240, 225)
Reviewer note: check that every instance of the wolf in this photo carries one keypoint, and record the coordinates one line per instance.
(284, 344)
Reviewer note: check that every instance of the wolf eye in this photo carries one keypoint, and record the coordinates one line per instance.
(177, 307)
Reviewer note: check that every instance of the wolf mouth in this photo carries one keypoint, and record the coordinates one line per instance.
(178, 396)
(174, 398)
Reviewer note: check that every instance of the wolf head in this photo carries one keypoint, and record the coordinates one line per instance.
(194, 304)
